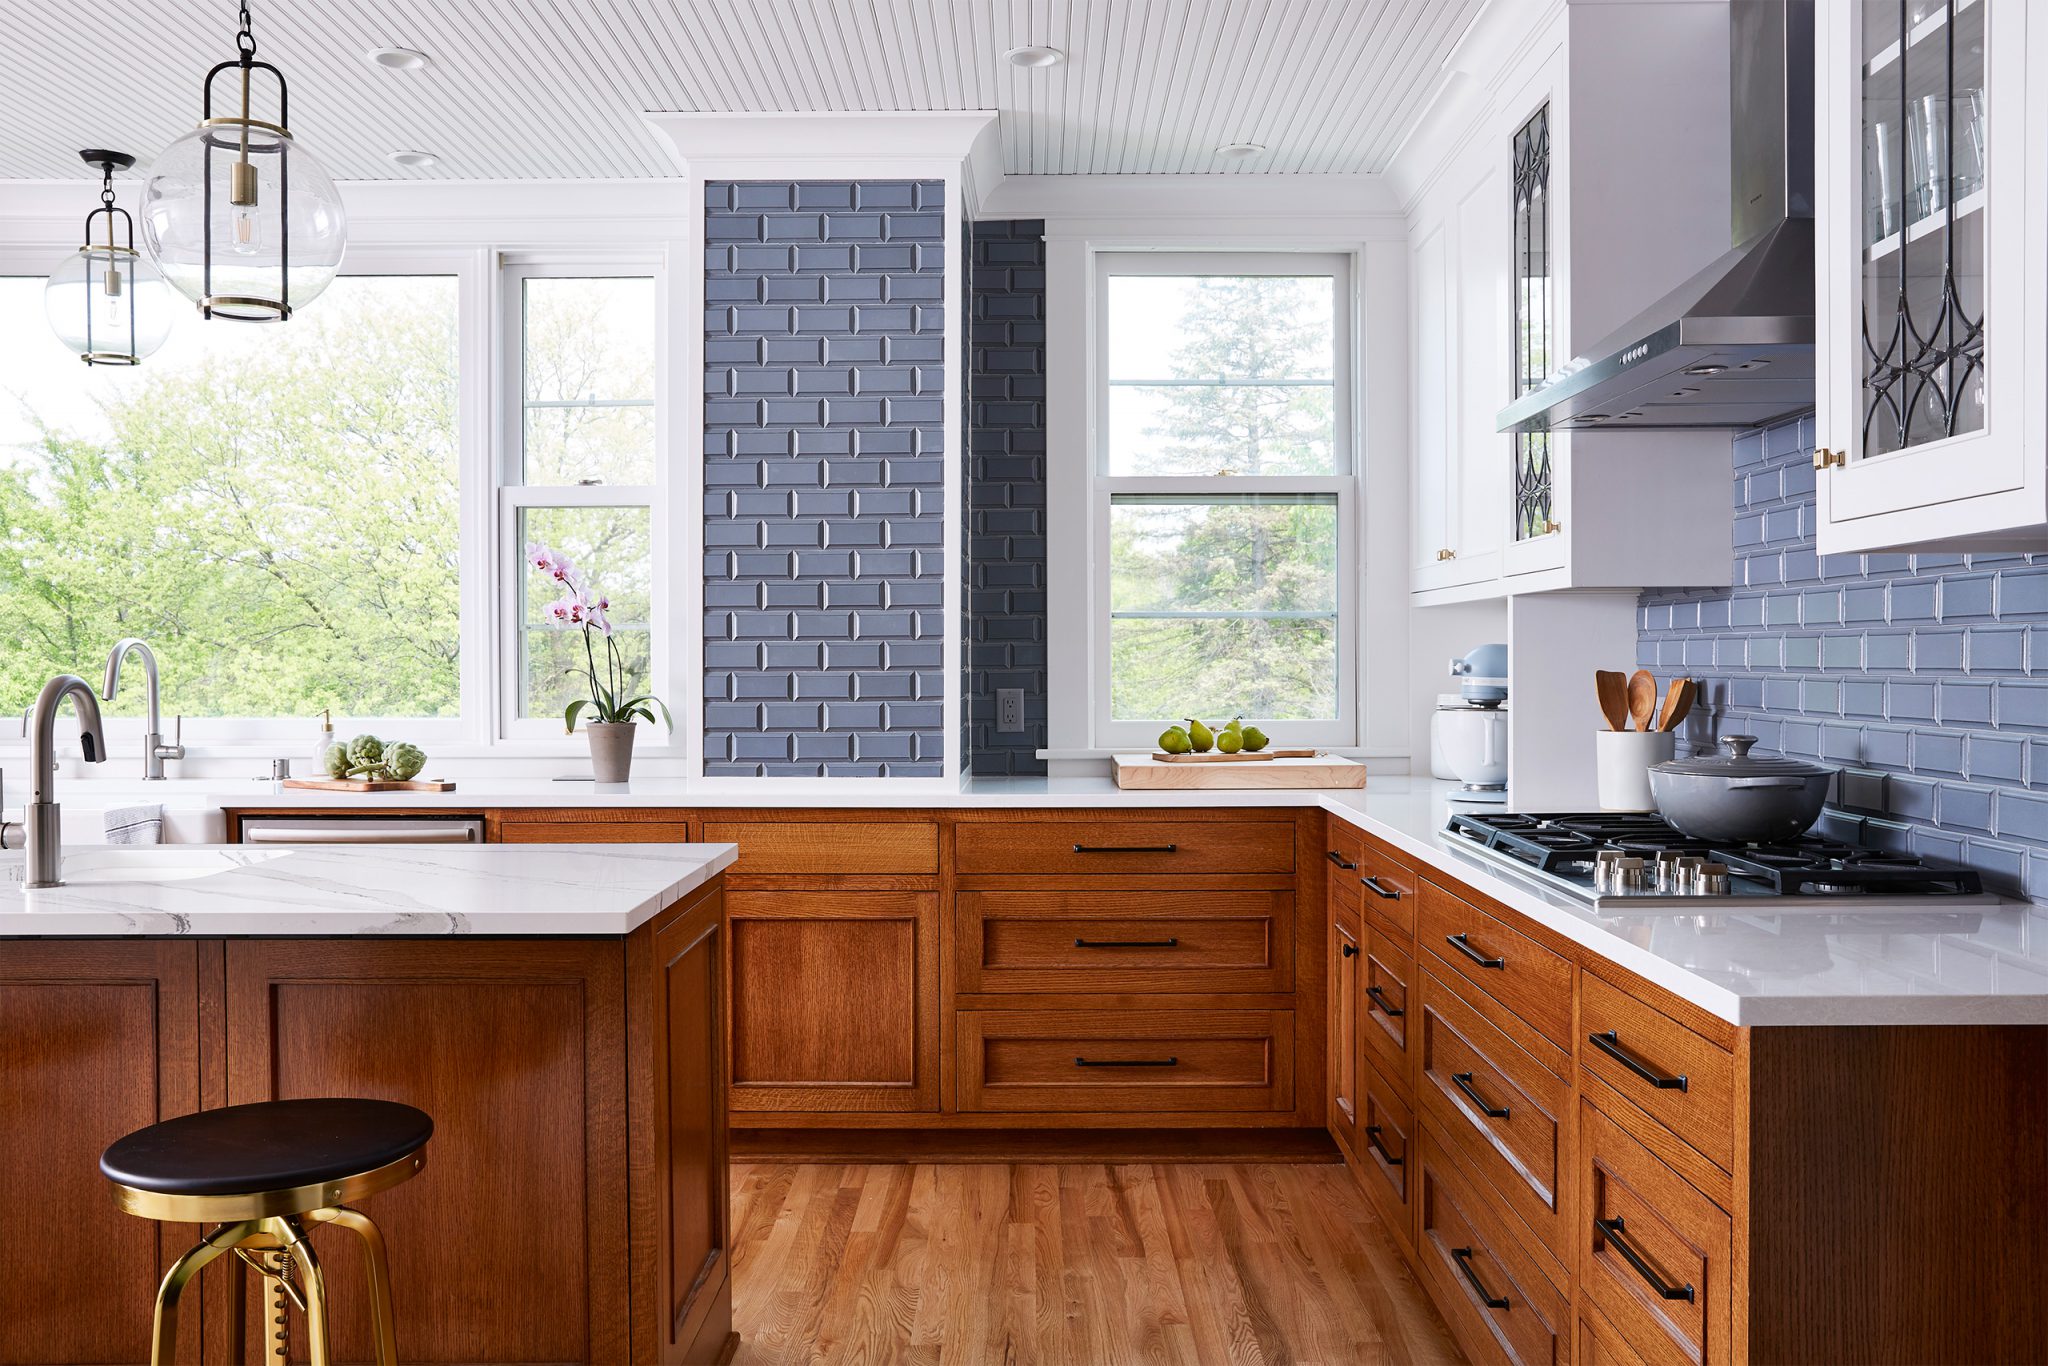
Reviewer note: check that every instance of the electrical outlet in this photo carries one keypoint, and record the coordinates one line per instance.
(1010, 709)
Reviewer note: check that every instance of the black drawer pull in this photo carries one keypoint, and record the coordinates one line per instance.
(1379, 998)
(1127, 1062)
(1463, 1256)
(1464, 1083)
(1338, 859)
(1351, 950)
(1384, 893)
(1457, 941)
(1610, 1044)
(1372, 1140)
(1127, 943)
(1125, 848)
(1612, 1230)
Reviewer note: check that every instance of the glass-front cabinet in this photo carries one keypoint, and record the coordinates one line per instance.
(1930, 270)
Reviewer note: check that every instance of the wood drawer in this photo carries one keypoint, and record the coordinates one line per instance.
(1506, 964)
(1600, 1342)
(1120, 846)
(1117, 1062)
(1341, 851)
(591, 827)
(1384, 987)
(1681, 1080)
(1219, 941)
(1499, 1297)
(828, 846)
(1654, 1254)
(1506, 1112)
(1386, 1147)
(1386, 888)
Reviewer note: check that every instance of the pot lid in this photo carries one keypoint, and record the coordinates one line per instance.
(1738, 762)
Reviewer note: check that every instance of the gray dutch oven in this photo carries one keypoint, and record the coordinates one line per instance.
(1737, 798)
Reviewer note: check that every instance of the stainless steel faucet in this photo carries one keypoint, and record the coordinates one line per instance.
(154, 750)
(45, 825)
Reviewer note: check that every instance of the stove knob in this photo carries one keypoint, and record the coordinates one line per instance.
(1604, 870)
(1666, 871)
(1629, 875)
(1686, 877)
(1714, 879)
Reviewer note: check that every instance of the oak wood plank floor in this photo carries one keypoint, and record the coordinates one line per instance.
(1069, 1265)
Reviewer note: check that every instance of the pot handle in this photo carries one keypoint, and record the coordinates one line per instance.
(1786, 781)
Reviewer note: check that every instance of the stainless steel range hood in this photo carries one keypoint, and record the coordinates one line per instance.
(1733, 345)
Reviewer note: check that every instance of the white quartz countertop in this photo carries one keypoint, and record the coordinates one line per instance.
(368, 889)
(1924, 963)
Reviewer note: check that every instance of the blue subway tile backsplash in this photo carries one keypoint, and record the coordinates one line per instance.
(824, 473)
(1005, 503)
(1924, 677)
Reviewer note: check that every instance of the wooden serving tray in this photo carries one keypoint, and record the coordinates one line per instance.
(1281, 770)
(371, 785)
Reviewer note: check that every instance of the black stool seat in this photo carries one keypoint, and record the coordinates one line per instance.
(271, 1145)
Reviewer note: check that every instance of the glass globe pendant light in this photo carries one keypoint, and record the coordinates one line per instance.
(105, 301)
(237, 214)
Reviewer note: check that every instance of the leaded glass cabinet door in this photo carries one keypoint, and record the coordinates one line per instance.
(1930, 295)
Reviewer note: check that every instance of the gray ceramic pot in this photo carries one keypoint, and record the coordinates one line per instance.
(1736, 799)
(611, 749)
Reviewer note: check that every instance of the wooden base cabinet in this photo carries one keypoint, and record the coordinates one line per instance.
(1597, 1168)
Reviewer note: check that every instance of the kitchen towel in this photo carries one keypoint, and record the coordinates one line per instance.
(135, 825)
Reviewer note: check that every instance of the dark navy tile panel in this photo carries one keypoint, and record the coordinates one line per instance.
(824, 478)
(1924, 677)
(1004, 629)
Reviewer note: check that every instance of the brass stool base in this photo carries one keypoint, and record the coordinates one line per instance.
(267, 1230)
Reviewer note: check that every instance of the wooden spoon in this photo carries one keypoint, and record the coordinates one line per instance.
(1642, 697)
(1671, 695)
(1683, 705)
(1613, 690)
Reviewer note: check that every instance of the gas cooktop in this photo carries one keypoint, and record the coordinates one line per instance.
(1618, 860)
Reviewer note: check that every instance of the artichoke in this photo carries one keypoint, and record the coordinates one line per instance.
(403, 761)
(336, 761)
(365, 751)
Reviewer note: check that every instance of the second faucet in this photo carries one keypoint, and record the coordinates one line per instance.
(154, 750)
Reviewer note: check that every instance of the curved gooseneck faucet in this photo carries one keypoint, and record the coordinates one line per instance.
(45, 825)
(154, 750)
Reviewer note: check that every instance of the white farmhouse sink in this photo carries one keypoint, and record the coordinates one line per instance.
(159, 863)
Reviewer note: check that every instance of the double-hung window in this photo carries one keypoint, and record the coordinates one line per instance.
(581, 473)
(1223, 495)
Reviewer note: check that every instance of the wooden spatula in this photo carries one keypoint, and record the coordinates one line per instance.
(1613, 690)
(1677, 709)
(1642, 697)
(1670, 707)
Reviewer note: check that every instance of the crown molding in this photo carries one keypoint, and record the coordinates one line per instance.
(768, 145)
(1324, 200)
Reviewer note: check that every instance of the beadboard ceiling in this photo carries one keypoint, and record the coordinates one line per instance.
(555, 88)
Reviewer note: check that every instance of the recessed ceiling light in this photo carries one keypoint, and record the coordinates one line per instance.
(398, 58)
(1238, 151)
(1035, 57)
(412, 159)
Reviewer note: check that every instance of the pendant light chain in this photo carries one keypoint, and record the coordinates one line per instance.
(245, 40)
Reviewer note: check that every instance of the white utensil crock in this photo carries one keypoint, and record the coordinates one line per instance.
(1624, 758)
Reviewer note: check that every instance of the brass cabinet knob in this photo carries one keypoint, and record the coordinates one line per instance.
(1823, 458)
(1442, 555)
(1552, 528)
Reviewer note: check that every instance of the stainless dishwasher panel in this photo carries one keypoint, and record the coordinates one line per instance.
(362, 830)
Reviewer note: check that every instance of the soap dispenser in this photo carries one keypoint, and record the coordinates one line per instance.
(326, 739)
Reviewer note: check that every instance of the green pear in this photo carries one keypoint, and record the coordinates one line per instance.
(1174, 740)
(1254, 739)
(1204, 739)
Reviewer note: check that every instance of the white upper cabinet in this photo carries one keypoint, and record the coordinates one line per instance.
(1932, 270)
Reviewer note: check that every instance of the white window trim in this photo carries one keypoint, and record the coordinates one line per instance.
(1344, 485)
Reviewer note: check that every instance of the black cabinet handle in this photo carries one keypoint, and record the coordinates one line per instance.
(1463, 1256)
(1382, 892)
(1338, 859)
(1464, 1083)
(1125, 848)
(1372, 1140)
(1610, 1044)
(1457, 941)
(1351, 950)
(1127, 943)
(1612, 1230)
(1127, 1062)
(1379, 998)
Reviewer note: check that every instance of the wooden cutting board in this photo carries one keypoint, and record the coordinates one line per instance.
(1152, 771)
(371, 785)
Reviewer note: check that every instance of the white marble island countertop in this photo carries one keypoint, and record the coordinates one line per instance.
(365, 889)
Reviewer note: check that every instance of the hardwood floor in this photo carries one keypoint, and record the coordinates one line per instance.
(1071, 1265)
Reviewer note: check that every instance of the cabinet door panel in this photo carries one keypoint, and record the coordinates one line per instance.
(516, 1049)
(1345, 1007)
(834, 1000)
(97, 1038)
(1432, 468)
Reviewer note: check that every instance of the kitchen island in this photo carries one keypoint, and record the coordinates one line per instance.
(559, 1011)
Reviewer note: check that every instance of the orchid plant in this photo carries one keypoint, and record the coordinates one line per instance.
(580, 605)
